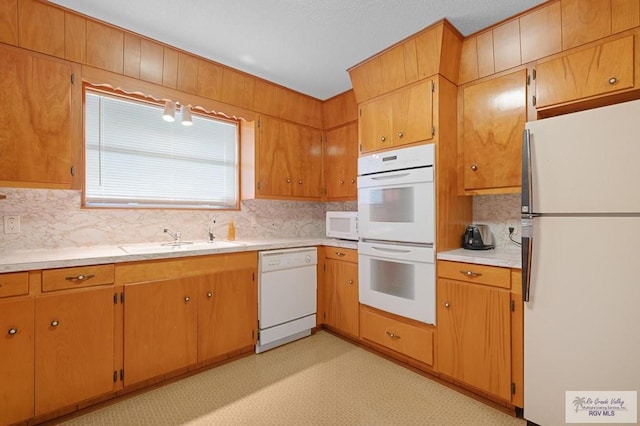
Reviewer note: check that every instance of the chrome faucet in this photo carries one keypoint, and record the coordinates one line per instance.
(175, 236)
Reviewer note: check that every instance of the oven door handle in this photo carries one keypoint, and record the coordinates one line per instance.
(386, 177)
(390, 250)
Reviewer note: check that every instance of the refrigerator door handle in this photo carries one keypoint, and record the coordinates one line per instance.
(527, 245)
(526, 172)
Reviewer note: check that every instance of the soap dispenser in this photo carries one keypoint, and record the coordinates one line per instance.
(232, 231)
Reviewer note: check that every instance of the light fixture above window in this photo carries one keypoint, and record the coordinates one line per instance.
(186, 115)
(169, 111)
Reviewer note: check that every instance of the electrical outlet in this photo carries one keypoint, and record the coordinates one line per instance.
(12, 224)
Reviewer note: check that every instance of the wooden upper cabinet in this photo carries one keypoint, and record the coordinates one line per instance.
(366, 79)
(41, 27)
(75, 38)
(486, 64)
(468, 61)
(494, 115)
(374, 124)
(392, 66)
(599, 70)
(170, 68)
(541, 33)
(341, 162)
(187, 73)
(625, 14)
(584, 21)
(105, 47)
(339, 110)
(9, 22)
(209, 79)
(36, 129)
(289, 160)
(506, 46)
(132, 55)
(151, 61)
(413, 113)
(237, 88)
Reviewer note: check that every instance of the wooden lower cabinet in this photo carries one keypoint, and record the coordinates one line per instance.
(74, 340)
(341, 291)
(474, 339)
(16, 360)
(187, 311)
(405, 337)
(160, 327)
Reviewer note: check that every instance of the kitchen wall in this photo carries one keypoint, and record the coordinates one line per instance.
(499, 212)
(54, 219)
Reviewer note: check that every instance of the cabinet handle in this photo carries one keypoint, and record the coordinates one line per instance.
(470, 274)
(350, 282)
(446, 304)
(474, 167)
(393, 336)
(80, 278)
(400, 135)
(339, 253)
(613, 81)
(186, 299)
(54, 323)
(13, 331)
(209, 294)
(383, 139)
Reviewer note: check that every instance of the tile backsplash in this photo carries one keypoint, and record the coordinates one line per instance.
(54, 219)
(499, 212)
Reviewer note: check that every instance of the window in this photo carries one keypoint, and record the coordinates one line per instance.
(133, 158)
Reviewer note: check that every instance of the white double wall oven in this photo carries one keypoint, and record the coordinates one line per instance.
(396, 218)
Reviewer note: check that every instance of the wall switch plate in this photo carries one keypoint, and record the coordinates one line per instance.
(12, 224)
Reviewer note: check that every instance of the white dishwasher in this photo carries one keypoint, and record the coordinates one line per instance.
(286, 296)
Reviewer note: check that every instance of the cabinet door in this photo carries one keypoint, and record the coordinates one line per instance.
(160, 328)
(596, 71)
(35, 130)
(341, 162)
(494, 115)
(16, 360)
(227, 312)
(74, 347)
(289, 160)
(474, 336)
(413, 114)
(375, 124)
(341, 296)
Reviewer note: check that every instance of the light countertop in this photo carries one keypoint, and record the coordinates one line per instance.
(25, 260)
(506, 258)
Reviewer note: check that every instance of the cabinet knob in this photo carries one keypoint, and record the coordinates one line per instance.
(350, 282)
(186, 299)
(300, 182)
(341, 181)
(54, 323)
(383, 139)
(288, 180)
(80, 278)
(353, 181)
(209, 294)
(339, 253)
(474, 167)
(446, 304)
(613, 81)
(392, 335)
(400, 135)
(470, 274)
(13, 331)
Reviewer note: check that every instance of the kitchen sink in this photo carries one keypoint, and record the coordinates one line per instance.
(183, 246)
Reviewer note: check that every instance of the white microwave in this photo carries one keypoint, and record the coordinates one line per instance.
(343, 225)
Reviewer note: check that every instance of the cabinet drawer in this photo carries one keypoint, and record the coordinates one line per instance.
(77, 277)
(348, 255)
(404, 338)
(472, 273)
(14, 284)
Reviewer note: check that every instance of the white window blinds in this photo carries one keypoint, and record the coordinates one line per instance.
(134, 158)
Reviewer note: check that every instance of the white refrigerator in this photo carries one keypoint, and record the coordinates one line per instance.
(581, 267)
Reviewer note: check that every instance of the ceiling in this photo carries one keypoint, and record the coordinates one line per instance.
(305, 45)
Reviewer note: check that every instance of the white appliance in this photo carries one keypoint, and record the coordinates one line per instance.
(286, 296)
(396, 219)
(342, 225)
(396, 195)
(581, 251)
